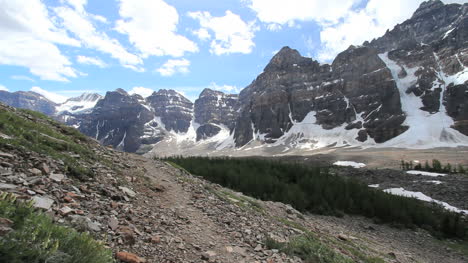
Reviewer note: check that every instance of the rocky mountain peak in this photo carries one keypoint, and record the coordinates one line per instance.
(121, 91)
(209, 92)
(427, 7)
(288, 58)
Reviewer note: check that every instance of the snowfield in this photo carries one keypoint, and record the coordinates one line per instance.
(425, 173)
(349, 164)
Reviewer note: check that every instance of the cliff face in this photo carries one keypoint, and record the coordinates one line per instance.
(174, 109)
(212, 109)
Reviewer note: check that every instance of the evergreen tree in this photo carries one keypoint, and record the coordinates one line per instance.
(436, 166)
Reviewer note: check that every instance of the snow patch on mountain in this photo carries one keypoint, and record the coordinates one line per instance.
(426, 130)
(308, 135)
(83, 103)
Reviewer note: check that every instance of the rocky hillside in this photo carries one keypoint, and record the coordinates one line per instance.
(405, 89)
(148, 211)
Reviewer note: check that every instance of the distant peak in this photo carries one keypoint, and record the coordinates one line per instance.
(427, 7)
(287, 52)
(169, 93)
(210, 92)
(287, 58)
(121, 91)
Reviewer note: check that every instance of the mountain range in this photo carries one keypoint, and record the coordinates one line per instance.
(408, 88)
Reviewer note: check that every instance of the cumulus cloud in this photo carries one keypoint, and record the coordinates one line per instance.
(43, 58)
(202, 34)
(142, 91)
(151, 26)
(231, 33)
(54, 97)
(29, 36)
(3, 88)
(224, 88)
(173, 66)
(80, 23)
(91, 61)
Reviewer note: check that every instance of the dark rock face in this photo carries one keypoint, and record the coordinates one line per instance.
(118, 120)
(206, 131)
(355, 85)
(215, 108)
(456, 98)
(174, 109)
(28, 100)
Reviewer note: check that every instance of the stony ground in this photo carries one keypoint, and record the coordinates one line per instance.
(149, 211)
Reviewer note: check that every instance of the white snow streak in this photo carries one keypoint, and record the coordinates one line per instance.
(420, 196)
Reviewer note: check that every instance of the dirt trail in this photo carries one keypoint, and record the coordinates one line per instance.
(200, 230)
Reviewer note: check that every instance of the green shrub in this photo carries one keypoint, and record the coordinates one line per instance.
(36, 239)
(78, 171)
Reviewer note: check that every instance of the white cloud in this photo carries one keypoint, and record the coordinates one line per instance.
(274, 27)
(142, 91)
(151, 26)
(21, 77)
(80, 23)
(3, 88)
(286, 11)
(29, 36)
(202, 34)
(224, 88)
(43, 58)
(173, 66)
(231, 33)
(135, 68)
(91, 61)
(54, 97)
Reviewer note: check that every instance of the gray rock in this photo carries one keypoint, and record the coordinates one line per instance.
(127, 191)
(113, 223)
(57, 177)
(7, 186)
(93, 225)
(35, 171)
(42, 202)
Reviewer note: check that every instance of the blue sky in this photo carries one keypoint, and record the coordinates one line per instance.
(66, 47)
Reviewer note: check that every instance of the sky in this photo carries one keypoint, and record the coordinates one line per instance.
(62, 48)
